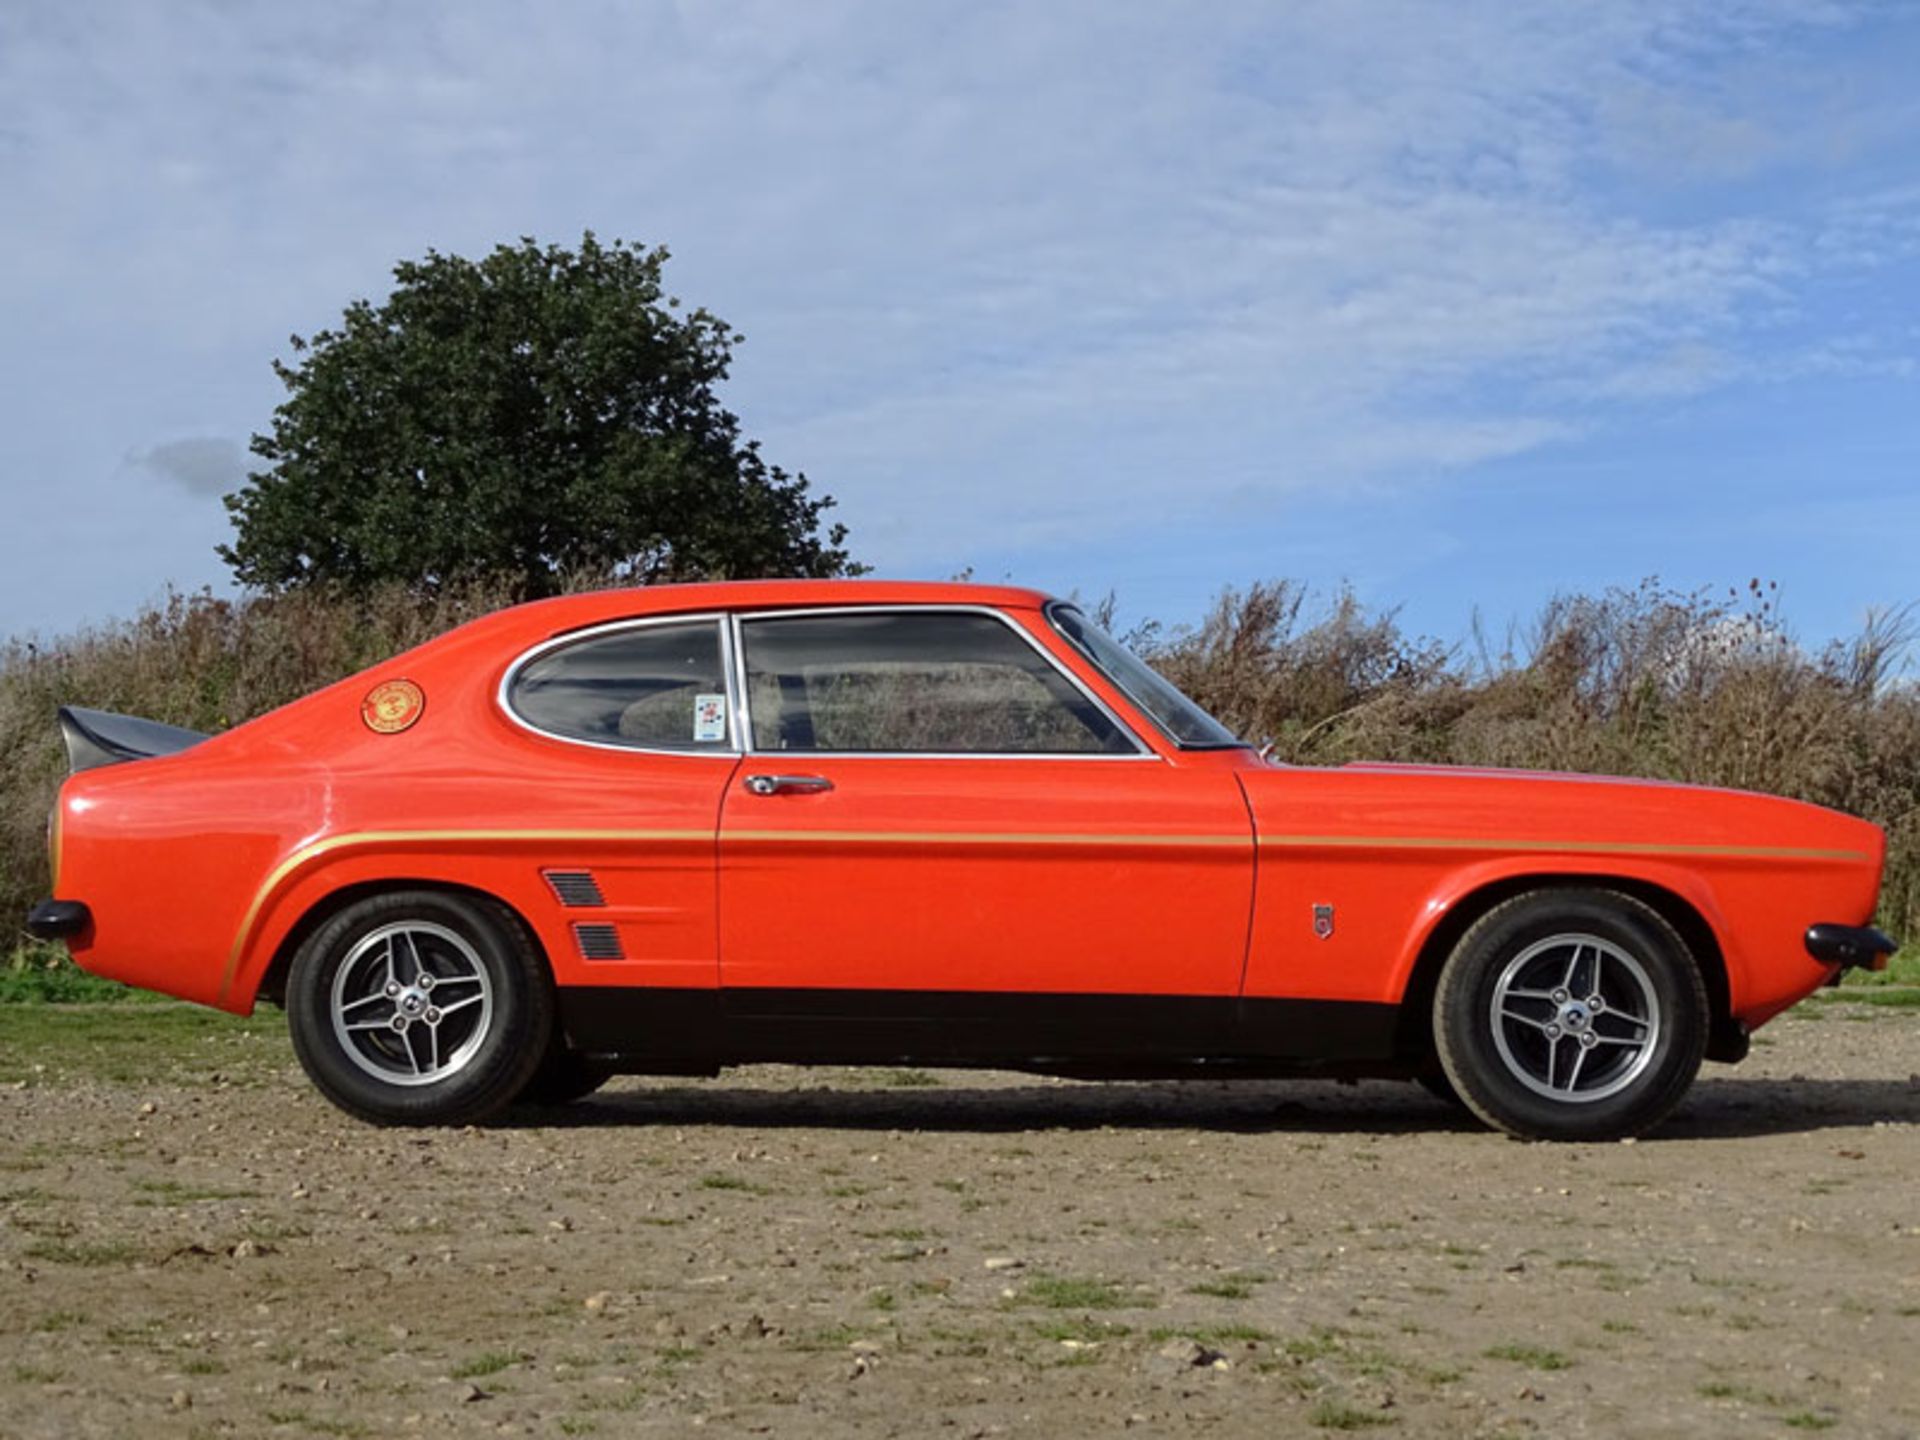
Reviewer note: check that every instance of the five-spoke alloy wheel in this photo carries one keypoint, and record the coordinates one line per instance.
(1571, 1014)
(420, 1007)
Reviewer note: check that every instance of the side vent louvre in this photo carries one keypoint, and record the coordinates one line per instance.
(599, 942)
(576, 889)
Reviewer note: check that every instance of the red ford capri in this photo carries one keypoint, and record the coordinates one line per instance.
(851, 822)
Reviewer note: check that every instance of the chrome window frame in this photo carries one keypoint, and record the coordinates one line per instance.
(733, 662)
(740, 619)
(724, 637)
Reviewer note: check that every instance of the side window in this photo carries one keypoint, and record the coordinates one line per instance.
(657, 687)
(937, 682)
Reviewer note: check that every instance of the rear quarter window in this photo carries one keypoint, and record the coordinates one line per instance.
(650, 687)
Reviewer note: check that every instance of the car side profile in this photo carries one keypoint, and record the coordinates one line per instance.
(856, 822)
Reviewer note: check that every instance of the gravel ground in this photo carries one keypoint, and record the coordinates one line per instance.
(196, 1245)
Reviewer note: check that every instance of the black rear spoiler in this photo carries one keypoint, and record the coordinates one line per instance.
(96, 738)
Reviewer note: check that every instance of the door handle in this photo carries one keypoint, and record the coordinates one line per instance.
(787, 784)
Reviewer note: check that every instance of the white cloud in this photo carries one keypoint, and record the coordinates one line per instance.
(1009, 272)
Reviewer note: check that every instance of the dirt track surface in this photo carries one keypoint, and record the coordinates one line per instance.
(846, 1253)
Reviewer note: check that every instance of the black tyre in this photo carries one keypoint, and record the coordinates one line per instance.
(1573, 1014)
(420, 1008)
(563, 1076)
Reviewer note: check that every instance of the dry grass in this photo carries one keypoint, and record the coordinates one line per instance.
(192, 660)
(1645, 681)
(1632, 682)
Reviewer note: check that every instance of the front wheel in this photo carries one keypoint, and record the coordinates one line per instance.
(420, 1008)
(1571, 1015)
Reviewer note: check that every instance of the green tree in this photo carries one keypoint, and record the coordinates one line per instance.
(534, 413)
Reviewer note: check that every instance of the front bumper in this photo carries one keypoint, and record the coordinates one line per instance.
(58, 919)
(1851, 947)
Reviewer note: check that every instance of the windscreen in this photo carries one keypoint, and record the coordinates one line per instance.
(1189, 726)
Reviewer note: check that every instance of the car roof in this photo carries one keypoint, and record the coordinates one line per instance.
(571, 612)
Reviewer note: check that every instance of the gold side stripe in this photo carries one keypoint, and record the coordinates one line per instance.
(1564, 847)
(1014, 837)
(983, 837)
(419, 837)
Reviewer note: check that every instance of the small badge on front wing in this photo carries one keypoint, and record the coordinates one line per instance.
(392, 706)
(1323, 922)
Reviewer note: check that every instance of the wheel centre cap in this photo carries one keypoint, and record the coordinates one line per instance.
(1574, 1016)
(413, 1002)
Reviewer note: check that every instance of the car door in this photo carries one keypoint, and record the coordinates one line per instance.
(936, 823)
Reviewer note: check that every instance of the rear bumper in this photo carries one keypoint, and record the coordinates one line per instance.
(58, 919)
(1850, 946)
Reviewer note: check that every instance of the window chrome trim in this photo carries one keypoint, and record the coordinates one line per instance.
(739, 732)
(723, 639)
(740, 618)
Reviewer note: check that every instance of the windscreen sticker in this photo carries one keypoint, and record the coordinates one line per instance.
(709, 718)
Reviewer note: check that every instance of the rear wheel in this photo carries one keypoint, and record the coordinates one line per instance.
(420, 1008)
(1571, 1015)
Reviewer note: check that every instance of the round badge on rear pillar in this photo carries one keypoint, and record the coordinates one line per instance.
(392, 706)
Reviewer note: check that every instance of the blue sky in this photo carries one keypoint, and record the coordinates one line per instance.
(1463, 304)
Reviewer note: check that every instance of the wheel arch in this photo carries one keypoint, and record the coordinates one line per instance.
(1727, 1040)
(272, 986)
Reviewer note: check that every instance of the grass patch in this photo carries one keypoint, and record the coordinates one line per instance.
(1809, 1420)
(629, 1399)
(46, 975)
(490, 1362)
(1534, 1357)
(1903, 997)
(1229, 1334)
(88, 1253)
(1336, 1415)
(1745, 1394)
(318, 1424)
(136, 1044)
(1066, 1292)
(1317, 1344)
(1902, 970)
(734, 1183)
(1236, 1285)
(173, 1192)
(908, 1079)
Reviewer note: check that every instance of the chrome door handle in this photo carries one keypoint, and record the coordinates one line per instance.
(787, 784)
